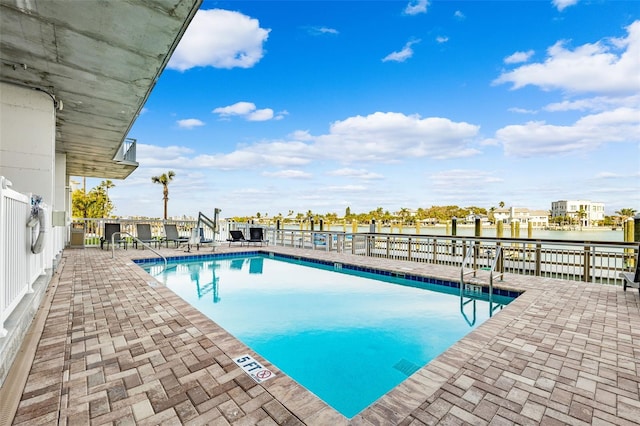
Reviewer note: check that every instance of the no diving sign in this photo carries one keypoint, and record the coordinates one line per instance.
(253, 368)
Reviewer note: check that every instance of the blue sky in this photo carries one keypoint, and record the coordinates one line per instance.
(271, 106)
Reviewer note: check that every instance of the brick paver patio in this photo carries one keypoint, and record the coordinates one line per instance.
(118, 348)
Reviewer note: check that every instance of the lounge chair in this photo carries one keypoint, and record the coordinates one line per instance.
(236, 237)
(632, 279)
(109, 230)
(143, 231)
(171, 234)
(256, 235)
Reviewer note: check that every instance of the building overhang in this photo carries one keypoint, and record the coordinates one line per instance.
(98, 61)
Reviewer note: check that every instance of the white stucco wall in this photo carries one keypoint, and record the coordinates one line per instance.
(27, 141)
(28, 160)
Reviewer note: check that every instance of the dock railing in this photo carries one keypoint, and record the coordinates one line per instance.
(588, 261)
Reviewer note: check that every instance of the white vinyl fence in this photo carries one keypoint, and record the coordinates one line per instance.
(19, 268)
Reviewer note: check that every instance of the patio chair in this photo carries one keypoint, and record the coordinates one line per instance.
(236, 237)
(171, 234)
(143, 231)
(632, 279)
(109, 230)
(256, 235)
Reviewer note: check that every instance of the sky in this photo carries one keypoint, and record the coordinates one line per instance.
(272, 106)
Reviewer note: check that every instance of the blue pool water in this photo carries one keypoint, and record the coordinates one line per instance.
(347, 337)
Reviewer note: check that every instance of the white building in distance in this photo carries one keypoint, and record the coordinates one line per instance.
(538, 218)
(588, 213)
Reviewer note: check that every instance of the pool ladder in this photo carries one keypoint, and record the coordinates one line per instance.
(471, 290)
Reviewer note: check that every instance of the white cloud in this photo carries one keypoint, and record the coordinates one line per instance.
(416, 7)
(260, 115)
(599, 103)
(346, 188)
(288, 174)
(239, 108)
(378, 137)
(536, 138)
(256, 156)
(610, 175)
(248, 111)
(403, 54)
(563, 4)
(522, 110)
(463, 178)
(322, 31)
(459, 15)
(608, 66)
(385, 137)
(189, 123)
(355, 174)
(442, 39)
(301, 135)
(156, 156)
(464, 186)
(220, 39)
(519, 57)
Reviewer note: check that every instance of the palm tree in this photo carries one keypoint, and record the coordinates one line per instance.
(164, 179)
(501, 204)
(626, 212)
(404, 214)
(107, 184)
(582, 214)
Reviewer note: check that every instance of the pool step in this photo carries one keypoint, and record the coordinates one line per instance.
(406, 367)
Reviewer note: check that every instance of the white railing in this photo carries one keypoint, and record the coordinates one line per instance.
(127, 151)
(94, 228)
(18, 266)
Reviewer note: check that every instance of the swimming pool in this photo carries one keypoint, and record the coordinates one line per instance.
(348, 337)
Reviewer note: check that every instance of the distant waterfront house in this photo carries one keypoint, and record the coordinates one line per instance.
(538, 218)
(471, 218)
(586, 212)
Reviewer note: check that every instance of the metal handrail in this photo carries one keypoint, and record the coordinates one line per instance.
(491, 268)
(467, 257)
(493, 265)
(113, 241)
